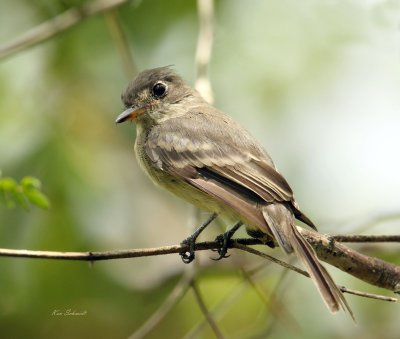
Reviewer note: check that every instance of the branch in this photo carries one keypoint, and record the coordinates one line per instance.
(204, 310)
(118, 254)
(176, 294)
(273, 303)
(371, 270)
(205, 10)
(365, 238)
(306, 274)
(121, 43)
(367, 295)
(58, 24)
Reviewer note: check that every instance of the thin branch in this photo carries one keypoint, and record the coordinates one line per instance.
(203, 86)
(205, 311)
(368, 295)
(304, 273)
(232, 296)
(56, 25)
(219, 310)
(251, 250)
(204, 48)
(117, 254)
(275, 306)
(122, 45)
(173, 298)
(365, 238)
(371, 270)
(276, 294)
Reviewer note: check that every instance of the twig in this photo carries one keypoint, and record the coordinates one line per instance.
(365, 238)
(277, 309)
(205, 311)
(204, 48)
(368, 295)
(371, 270)
(119, 38)
(58, 24)
(117, 254)
(251, 250)
(293, 268)
(273, 304)
(231, 298)
(276, 294)
(203, 86)
(176, 294)
(219, 310)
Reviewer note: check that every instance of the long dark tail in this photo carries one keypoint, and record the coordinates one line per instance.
(281, 223)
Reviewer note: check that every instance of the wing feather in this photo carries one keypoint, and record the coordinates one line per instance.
(181, 142)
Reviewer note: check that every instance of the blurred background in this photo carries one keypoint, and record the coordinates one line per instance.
(317, 82)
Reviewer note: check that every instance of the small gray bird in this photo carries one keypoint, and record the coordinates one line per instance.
(200, 154)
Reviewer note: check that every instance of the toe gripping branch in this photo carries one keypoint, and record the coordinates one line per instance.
(224, 239)
(188, 254)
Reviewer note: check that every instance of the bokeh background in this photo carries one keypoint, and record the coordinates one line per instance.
(317, 82)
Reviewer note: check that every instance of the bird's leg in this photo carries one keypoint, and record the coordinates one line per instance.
(224, 239)
(188, 256)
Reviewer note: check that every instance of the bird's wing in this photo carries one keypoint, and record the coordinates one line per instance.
(229, 156)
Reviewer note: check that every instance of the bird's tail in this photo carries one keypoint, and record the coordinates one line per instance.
(281, 223)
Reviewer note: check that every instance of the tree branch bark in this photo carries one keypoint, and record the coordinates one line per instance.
(369, 269)
(56, 25)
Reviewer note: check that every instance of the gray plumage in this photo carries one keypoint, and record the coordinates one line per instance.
(197, 152)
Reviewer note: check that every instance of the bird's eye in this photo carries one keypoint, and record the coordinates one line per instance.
(159, 89)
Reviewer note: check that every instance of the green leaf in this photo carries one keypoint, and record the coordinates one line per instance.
(30, 182)
(27, 191)
(7, 201)
(8, 184)
(20, 199)
(37, 198)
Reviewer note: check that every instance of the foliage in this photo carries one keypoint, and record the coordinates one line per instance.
(24, 193)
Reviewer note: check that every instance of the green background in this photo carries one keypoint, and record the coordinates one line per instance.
(317, 82)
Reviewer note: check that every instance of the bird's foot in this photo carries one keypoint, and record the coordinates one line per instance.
(270, 242)
(224, 240)
(190, 242)
(188, 255)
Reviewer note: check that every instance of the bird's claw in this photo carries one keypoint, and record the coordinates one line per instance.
(223, 240)
(221, 256)
(188, 255)
(270, 243)
(189, 243)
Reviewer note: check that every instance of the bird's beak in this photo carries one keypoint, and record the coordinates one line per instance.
(130, 113)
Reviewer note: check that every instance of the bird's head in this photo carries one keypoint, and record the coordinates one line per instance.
(155, 95)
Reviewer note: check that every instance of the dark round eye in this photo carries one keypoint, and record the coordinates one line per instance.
(159, 89)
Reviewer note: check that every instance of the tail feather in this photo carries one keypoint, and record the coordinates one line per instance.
(281, 223)
(329, 291)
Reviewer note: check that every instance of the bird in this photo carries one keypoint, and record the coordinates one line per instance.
(197, 152)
